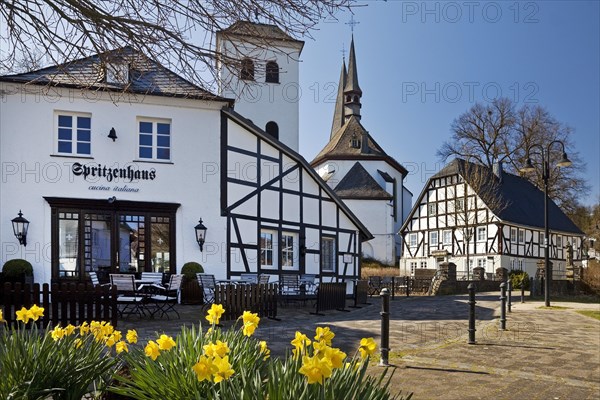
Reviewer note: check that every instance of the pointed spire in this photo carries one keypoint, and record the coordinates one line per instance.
(352, 81)
(352, 92)
(338, 114)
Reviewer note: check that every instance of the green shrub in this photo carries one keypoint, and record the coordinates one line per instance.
(17, 268)
(518, 279)
(190, 269)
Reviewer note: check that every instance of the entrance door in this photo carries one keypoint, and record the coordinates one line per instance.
(94, 235)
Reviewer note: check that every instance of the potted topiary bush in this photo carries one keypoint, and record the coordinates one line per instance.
(190, 290)
(18, 270)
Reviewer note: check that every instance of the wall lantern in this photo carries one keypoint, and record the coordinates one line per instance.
(112, 134)
(200, 233)
(20, 227)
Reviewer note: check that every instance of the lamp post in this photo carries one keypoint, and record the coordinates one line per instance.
(200, 233)
(564, 162)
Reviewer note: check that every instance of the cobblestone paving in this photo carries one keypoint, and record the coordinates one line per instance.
(543, 354)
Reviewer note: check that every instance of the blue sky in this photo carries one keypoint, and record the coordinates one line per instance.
(422, 64)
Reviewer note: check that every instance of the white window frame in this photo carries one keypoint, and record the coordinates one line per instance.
(433, 235)
(332, 257)
(155, 138)
(447, 234)
(424, 264)
(431, 209)
(521, 236)
(74, 134)
(559, 242)
(482, 262)
(272, 249)
(286, 252)
(412, 240)
(481, 233)
(413, 267)
(459, 204)
(513, 235)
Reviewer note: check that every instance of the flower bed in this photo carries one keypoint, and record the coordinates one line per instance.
(95, 359)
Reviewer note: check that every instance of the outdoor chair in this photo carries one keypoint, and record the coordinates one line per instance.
(208, 284)
(96, 281)
(249, 278)
(374, 285)
(129, 300)
(308, 283)
(263, 279)
(156, 277)
(167, 297)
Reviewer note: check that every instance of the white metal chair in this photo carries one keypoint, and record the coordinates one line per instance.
(263, 279)
(208, 284)
(167, 297)
(129, 300)
(96, 281)
(249, 278)
(308, 282)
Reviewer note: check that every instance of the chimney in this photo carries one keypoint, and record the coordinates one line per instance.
(498, 170)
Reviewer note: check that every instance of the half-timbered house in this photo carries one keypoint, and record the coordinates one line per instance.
(473, 217)
(113, 164)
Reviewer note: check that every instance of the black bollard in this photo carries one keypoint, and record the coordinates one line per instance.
(471, 289)
(407, 278)
(503, 306)
(385, 327)
(532, 289)
(509, 289)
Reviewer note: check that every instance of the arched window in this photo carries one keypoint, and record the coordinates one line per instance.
(247, 71)
(272, 129)
(272, 72)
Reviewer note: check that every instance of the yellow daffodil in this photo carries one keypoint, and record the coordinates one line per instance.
(132, 336)
(165, 342)
(110, 341)
(264, 349)
(121, 347)
(69, 330)
(36, 312)
(1, 316)
(23, 315)
(299, 343)
(78, 343)
(214, 314)
(223, 369)
(315, 369)
(367, 347)
(58, 333)
(335, 356)
(204, 369)
(219, 349)
(324, 335)
(84, 328)
(151, 350)
(251, 321)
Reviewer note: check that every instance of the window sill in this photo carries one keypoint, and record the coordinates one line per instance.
(72, 156)
(153, 161)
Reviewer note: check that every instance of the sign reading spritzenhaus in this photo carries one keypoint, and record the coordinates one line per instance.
(128, 174)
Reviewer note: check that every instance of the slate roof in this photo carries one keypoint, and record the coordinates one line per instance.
(359, 184)
(524, 202)
(339, 147)
(259, 30)
(145, 76)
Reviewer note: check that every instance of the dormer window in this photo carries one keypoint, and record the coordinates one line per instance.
(272, 72)
(247, 71)
(117, 73)
(355, 142)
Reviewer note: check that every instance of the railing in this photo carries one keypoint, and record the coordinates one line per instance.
(331, 296)
(66, 303)
(260, 299)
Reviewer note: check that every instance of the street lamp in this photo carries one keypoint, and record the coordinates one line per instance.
(200, 233)
(564, 162)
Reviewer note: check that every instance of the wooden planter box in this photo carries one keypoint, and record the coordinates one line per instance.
(191, 293)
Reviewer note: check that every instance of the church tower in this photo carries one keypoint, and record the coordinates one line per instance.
(361, 173)
(264, 79)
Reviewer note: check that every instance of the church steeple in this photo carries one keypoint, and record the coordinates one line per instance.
(352, 92)
(338, 114)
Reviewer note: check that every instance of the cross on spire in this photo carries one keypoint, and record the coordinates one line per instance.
(343, 51)
(352, 23)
